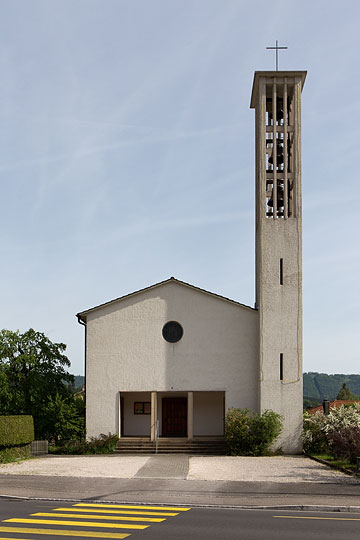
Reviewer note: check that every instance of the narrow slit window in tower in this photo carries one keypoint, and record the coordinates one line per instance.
(281, 272)
(281, 366)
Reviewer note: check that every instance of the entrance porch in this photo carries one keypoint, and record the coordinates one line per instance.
(171, 416)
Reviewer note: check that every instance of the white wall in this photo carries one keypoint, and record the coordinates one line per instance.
(281, 330)
(136, 425)
(126, 351)
(208, 413)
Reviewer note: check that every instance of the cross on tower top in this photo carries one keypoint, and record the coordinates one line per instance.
(277, 53)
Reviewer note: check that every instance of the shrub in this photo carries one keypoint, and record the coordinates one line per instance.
(343, 431)
(16, 430)
(249, 434)
(314, 436)
(337, 433)
(345, 443)
(341, 417)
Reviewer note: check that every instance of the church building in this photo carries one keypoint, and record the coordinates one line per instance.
(168, 361)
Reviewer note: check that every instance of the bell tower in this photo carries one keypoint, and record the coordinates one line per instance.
(276, 98)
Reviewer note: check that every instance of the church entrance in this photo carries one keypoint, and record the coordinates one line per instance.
(174, 417)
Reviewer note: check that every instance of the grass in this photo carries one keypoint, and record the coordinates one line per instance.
(340, 464)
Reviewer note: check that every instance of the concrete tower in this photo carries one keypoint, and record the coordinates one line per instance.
(276, 98)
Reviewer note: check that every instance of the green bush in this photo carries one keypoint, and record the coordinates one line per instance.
(104, 444)
(16, 430)
(249, 434)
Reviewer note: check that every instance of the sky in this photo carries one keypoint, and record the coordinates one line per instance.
(127, 157)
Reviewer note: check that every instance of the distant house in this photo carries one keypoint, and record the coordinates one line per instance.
(81, 393)
(336, 403)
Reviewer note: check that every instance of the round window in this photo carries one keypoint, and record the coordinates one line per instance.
(172, 331)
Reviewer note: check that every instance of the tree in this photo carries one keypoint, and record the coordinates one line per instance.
(64, 418)
(308, 403)
(346, 393)
(32, 377)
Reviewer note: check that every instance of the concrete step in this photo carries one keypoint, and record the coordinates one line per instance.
(211, 446)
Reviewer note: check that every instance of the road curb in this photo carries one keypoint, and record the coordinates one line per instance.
(288, 507)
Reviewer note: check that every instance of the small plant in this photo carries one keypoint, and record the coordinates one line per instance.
(104, 444)
(249, 434)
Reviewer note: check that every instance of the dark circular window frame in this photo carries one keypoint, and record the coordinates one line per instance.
(172, 332)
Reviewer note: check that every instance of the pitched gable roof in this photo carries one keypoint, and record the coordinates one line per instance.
(82, 314)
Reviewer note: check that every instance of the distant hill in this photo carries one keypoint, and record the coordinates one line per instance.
(321, 385)
(79, 381)
(317, 386)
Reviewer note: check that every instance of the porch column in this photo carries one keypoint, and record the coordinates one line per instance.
(190, 416)
(154, 415)
(119, 413)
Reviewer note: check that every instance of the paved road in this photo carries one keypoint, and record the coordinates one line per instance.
(48, 519)
(154, 490)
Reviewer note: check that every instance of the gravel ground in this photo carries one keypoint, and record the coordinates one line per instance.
(280, 469)
(78, 466)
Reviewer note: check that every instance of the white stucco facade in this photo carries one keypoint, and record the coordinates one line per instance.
(216, 359)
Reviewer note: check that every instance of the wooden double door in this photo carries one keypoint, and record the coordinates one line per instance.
(174, 417)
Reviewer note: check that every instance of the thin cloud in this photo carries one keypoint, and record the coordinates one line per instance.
(166, 137)
(145, 227)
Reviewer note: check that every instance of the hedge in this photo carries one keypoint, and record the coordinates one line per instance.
(16, 430)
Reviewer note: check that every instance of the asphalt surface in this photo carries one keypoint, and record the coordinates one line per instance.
(53, 519)
(202, 493)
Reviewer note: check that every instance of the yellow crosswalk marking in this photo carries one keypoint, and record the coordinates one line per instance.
(314, 517)
(91, 516)
(130, 512)
(76, 523)
(171, 508)
(62, 532)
